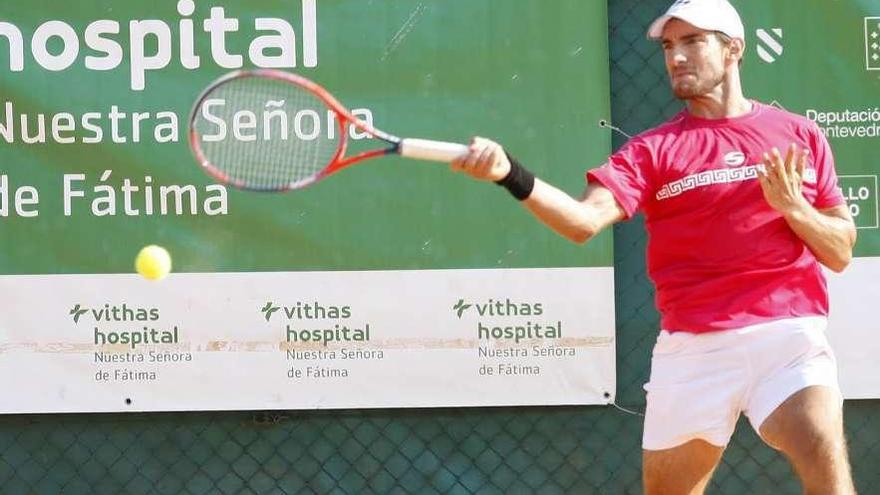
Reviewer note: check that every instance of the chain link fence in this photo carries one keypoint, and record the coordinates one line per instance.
(559, 450)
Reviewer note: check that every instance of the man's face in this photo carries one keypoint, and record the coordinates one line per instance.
(695, 59)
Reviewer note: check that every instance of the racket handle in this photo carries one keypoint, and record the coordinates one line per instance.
(425, 149)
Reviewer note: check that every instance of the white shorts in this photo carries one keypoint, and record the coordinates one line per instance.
(700, 383)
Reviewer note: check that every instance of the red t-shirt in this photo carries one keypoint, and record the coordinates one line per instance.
(718, 254)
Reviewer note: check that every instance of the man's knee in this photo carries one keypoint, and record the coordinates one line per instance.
(816, 448)
(821, 463)
(808, 429)
(807, 424)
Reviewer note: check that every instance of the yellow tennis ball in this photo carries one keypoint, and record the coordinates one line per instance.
(153, 262)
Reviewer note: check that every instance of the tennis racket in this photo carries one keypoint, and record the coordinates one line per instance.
(269, 130)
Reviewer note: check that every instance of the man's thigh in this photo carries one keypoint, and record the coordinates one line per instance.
(811, 415)
(685, 469)
(808, 428)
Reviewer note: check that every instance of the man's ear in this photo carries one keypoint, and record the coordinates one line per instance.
(737, 49)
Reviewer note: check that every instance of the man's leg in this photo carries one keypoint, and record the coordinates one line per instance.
(682, 470)
(697, 384)
(808, 429)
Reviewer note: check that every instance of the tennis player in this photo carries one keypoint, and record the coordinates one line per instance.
(741, 206)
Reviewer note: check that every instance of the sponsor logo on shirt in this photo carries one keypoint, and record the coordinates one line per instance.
(734, 159)
(810, 175)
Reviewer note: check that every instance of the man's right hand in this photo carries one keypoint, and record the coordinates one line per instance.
(486, 161)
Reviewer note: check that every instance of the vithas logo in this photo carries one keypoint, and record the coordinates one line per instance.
(268, 309)
(77, 311)
(306, 311)
(769, 44)
(113, 313)
(872, 43)
(492, 307)
(460, 307)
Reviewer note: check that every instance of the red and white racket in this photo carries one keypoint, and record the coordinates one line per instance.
(268, 130)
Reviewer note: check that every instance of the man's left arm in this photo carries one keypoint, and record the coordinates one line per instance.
(829, 233)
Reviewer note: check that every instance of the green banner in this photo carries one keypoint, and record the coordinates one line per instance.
(823, 61)
(826, 67)
(94, 161)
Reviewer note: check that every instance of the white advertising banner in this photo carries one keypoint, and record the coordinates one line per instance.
(854, 329)
(307, 340)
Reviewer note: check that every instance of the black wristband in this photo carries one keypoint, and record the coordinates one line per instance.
(519, 181)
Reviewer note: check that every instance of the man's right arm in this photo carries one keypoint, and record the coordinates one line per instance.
(576, 220)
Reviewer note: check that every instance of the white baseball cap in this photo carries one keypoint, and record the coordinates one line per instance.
(711, 15)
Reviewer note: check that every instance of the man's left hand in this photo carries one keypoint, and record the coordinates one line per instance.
(782, 181)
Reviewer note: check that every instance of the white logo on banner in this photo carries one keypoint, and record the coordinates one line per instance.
(769, 44)
(872, 43)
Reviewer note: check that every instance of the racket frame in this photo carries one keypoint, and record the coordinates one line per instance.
(343, 117)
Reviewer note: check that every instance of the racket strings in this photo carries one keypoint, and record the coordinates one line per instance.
(277, 134)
